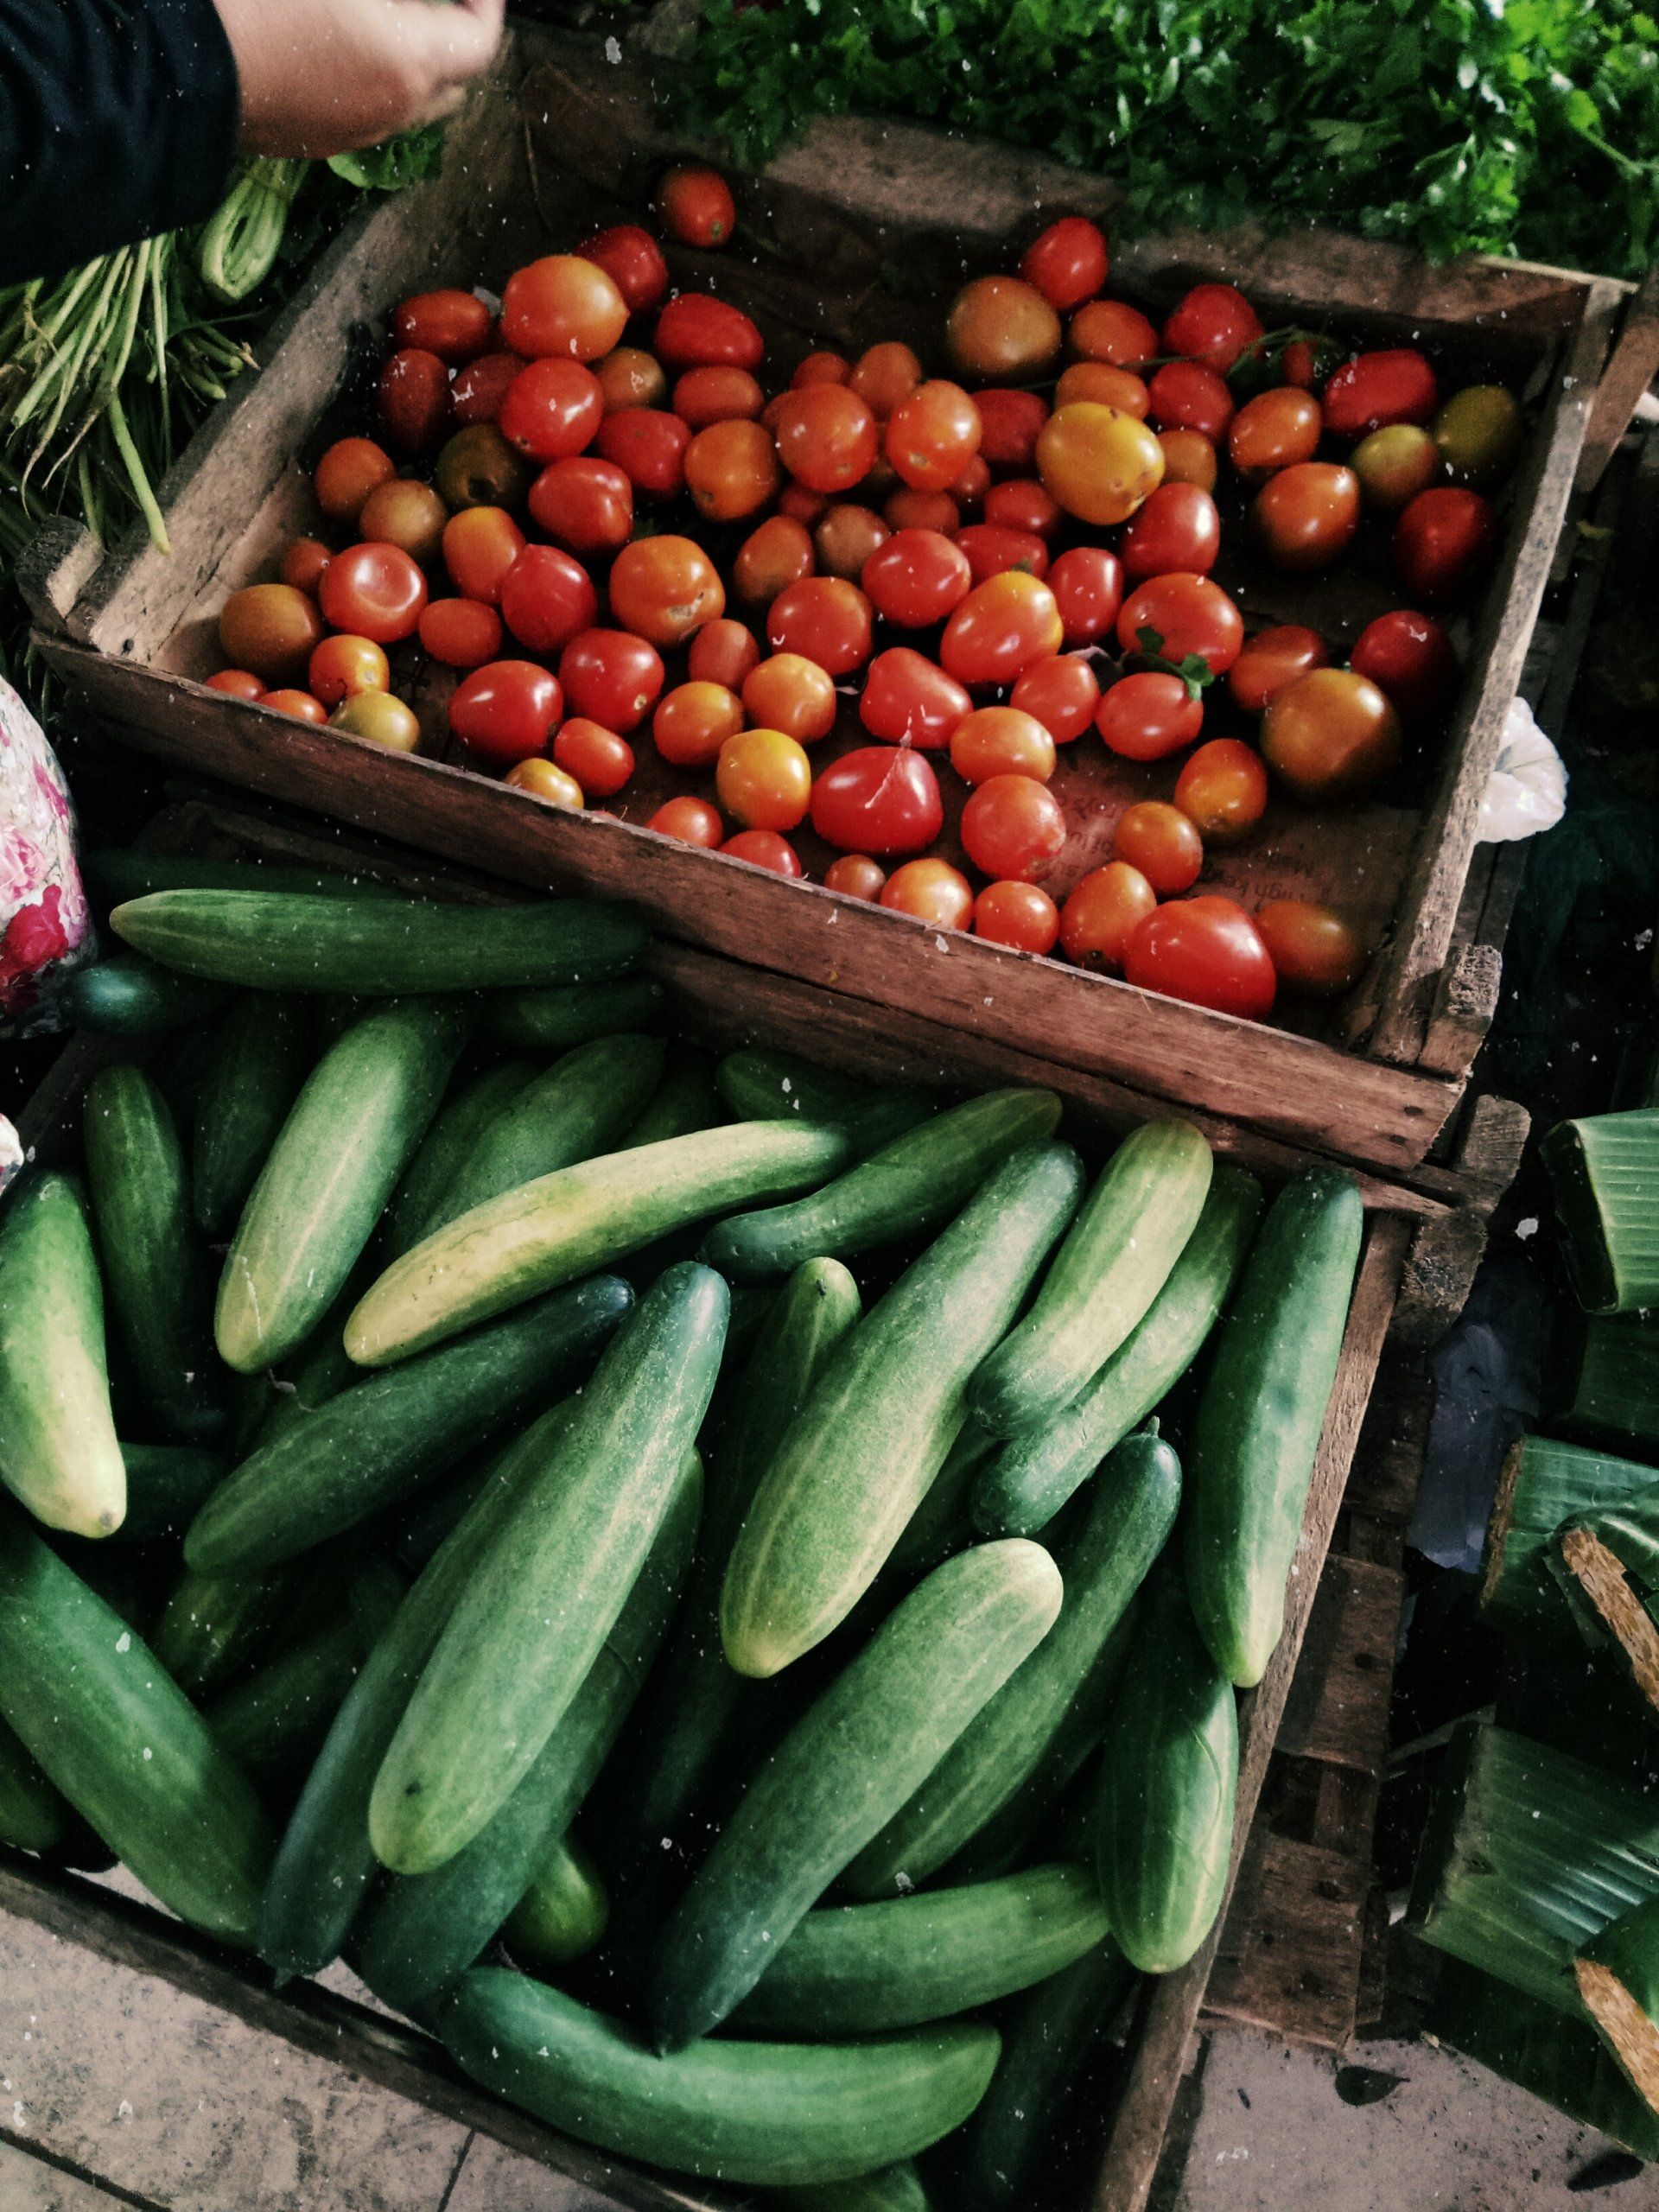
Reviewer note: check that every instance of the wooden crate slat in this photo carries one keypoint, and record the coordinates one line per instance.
(1337, 1708)
(1289, 1960)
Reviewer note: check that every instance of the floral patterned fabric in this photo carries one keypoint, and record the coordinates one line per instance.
(45, 930)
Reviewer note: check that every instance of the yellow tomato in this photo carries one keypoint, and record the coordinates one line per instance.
(380, 718)
(547, 782)
(1479, 432)
(1395, 464)
(764, 779)
(1099, 462)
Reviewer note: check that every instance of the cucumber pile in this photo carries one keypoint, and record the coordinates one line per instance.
(689, 1576)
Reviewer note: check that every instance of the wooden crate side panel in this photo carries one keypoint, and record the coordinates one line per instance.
(1290, 1957)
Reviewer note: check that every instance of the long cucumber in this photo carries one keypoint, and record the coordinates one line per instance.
(114, 873)
(130, 996)
(33, 1816)
(444, 1150)
(211, 1624)
(685, 1101)
(351, 1134)
(259, 1060)
(760, 1085)
(854, 1757)
(166, 1483)
(1261, 1416)
(268, 1722)
(562, 1914)
(861, 1456)
(568, 1223)
(574, 1014)
(1021, 1489)
(542, 1602)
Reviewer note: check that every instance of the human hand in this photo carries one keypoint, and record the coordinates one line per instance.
(320, 77)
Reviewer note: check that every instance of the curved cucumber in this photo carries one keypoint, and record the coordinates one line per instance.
(352, 1132)
(546, 1595)
(861, 1455)
(382, 947)
(909, 1189)
(853, 1969)
(747, 2114)
(166, 1483)
(33, 1816)
(1164, 1816)
(1128, 1234)
(130, 996)
(369, 1445)
(444, 1150)
(319, 1369)
(268, 1722)
(563, 1913)
(760, 1086)
(1261, 1416)
(154, 1269)
(566, 1224)
(123, 1744)
(58, 1449)
(211, 1624)
(852, 1759)
(685, 1101)
(1024, 1487)
(258, 1062)
(554, 1020)
(115, 873)
(1102, 1563)
(890, 2189)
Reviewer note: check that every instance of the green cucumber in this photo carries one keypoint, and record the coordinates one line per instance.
(554, 1020)
(940, 1524)
(860, 1458)
(853, 1969)
(1019, 1493)
(124, 1745)
(436, 1514)
(566, 1224)
(1102, 1562)
(890, 2189)
(562, 1914)
(58, 1450)
(115, 874)
(155, 1272)
(910, 1189)
(1261, 1416)
(760, 1086)
(444, 1150)
(581, 1107)
(542, 1602)
(1128, 1234)
(855, 1756)
(166, 1483)
(319, 1370)
(268, 1721)
(33, 1816)
(352, 1130)
(1164, 1816)
(367, 1447)
(382, 947)
(211, 1624)
(686, 1100)
(130, 996)
(260, 1055)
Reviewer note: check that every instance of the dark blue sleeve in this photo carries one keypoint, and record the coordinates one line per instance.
(118, 121)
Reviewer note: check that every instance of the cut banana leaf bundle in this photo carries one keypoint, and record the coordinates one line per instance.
(1545, 1486)
(1617, 1974)
(1608, 1568)
(1604, 1383)
(1604, 1173)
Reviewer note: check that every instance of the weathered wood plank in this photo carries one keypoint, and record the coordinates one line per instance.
(1630, 369)
(1337, 1709)
(1289, 1957)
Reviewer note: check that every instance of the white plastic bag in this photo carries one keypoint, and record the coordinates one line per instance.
(1527, 792)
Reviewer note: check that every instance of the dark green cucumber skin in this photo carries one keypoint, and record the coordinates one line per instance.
(856, 1969)
(436, 1514)
(380, 947)
(260, 1055)
(33, 1816)
(855, 1756)
(686, 1100)
(269, 1720)
(892, 2189)
(115, 873)
(124, 1745)
(909, 1189)
(857, 1461)
(1021, 1489)
(1103, 1562)
(374, 1442)
(761, 1086)
(444, 1149)
(166, 1483)
(582, 1105)
(422, 1930)
(1163, 1820)
(211, 1624)
(554, 1020)
(751, 2114)
(538, 1609)
(130, 996)
(1261, 1416)
(562, 1914)
(155, 1272)
(317, 1371)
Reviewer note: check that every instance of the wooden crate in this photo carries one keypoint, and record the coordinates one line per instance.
(567, 131)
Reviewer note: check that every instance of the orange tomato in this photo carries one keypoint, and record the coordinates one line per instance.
(1063, 692)
(764, 778)
(461, 632)
(663, 588)
(694, 720)
(1021, 916)
(1099, 462)
(1159, 840)
(343, 665)
(1001, 330)
(270, 628)
(933, 436)
(1111, 387)
(932, 891)
(717, 393)
(547, 781)
(689, 822)
(1012, 826)
(480, 545)
(1271, 659)
(823, 367)
(564, 306)
(237, 683)
(695, 205)
(1222, 790)
(722, 653)
(731, 470)
(1272, 431)
(302, 706)
(408, 515)
(1316, 950)
(346, 475)
(776, 554)
(1306, 514)
(1103, 913)
(845, 537)
(601, 762)
(629, 377)
(884, 375)
(1189, 458)
(1000, 628)
(855, 875)
(792, 694)
(1112, 331)
(1002, 741)
(303, 563)
(827, 437)
(1331, 734)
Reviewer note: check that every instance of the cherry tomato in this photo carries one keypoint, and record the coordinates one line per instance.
(1099, 463)
(693, 721)
(931, 436)
(917, 578)
(459, 632)
(969, 489)
(766, 849)
(1067, 262)
(1306, 515)
(270, 629)
(716, 393)
(880, 798)
(1271, 659)
(584, 505)
(1161, 841)
(1109, 387)
(1315, 950)
(792, 694)
(1331, 734)
(381, 719)
(1148, 715)
(413, 401)
(1395, 464)
(649, 447)
(827, 437)
(1177, 528)
(1063, 694)
(855, 875)
(884, 375)
(1272, 431)
(822, 367)
(547, 781)
(1394, 385)
(601, 762)
(1112, 331)
(551, 409)
(1002, 741)
(764, 779)
(547, 599)
(695, 330)
(1009, 424)
(1478, 434)
(1001, 330)
(1176, 615)
(633, 260)
(846, 536)
(776, 554)
(1213, 324)
(695, 205)
(1189, 458)
(1444, 542)
(612, 678)
(1000, 628)
(1300, 364)
(1023, 503)
(993, 549)
(374, 591)
(237, 683)
(663, 588)
(731, 470)
(930, 891)
(722, 653)
(342, 665)
(1012, 826)
(1187, 395)
(479, 468)
(689, 822)
(564, 305)
(1019, 915)
(1222, 790)
(476, 394)
(1087, 586)
(507, 710)
(825, 618)
(1206, 951)
(909, 700)
(1102, 913)
(629, 377)
(1411, 661)
(908, 509)
(456, 325)
(408, 515)
(480, 545)
(303, 563)
(346, 474)
(300, 706)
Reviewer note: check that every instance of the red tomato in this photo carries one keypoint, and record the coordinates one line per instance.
(663, 588)
(1444, 542)
(304, 562)
(689, 822)
(342, 665)
(1012, 826)
(1331, 734)
(612, 678)
(1162, 843)
(302, 706)
(694, 204)
(507, 710)
(823, 618)
(1394, 385)
(930, 891)
(1001, 327)
(908, 509)
(480, 545)
(564, 305)
(547, 599)
(1061, 693)
(456, 325)
(823, 367)
(1177, 528)
(717, 394)
(584, 505)
(1024, 503)
(1087, 586)
(855, 875)
(796, 503)
(969, 489)
(1112, 331)
(1213, 324)
(917, 578)
(884, 374)
(461, 632)
(909, 700)
(1411, 659)
(933, 436)
(845, 537)
(551, 409)
(1187, 395)
(1002, 741)
(1148, 715)
(375, 591)
(722, 653)
(766, 849)
(346, 475)
(1008, 424)
(880, 798)
(237, 683)
(1306, 515)
(1001, 626)
(1272, 431)
(764, 778)
(1067, 263)
(693, 721)
(1222, 790)
(1271, 659)
(1314, 949)
(476, 394)
(776, 554)
(1102, 913)
(649, 447)
(413, 401)
(993, 549)
(633, 260)
(601, 762)
(731, 470)
(1176, 615)
(695, 329)
(1019, 915)
(1299, 363)
(1207, 951)
(827, 437)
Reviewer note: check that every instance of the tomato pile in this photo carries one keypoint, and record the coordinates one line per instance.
(592, 506)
